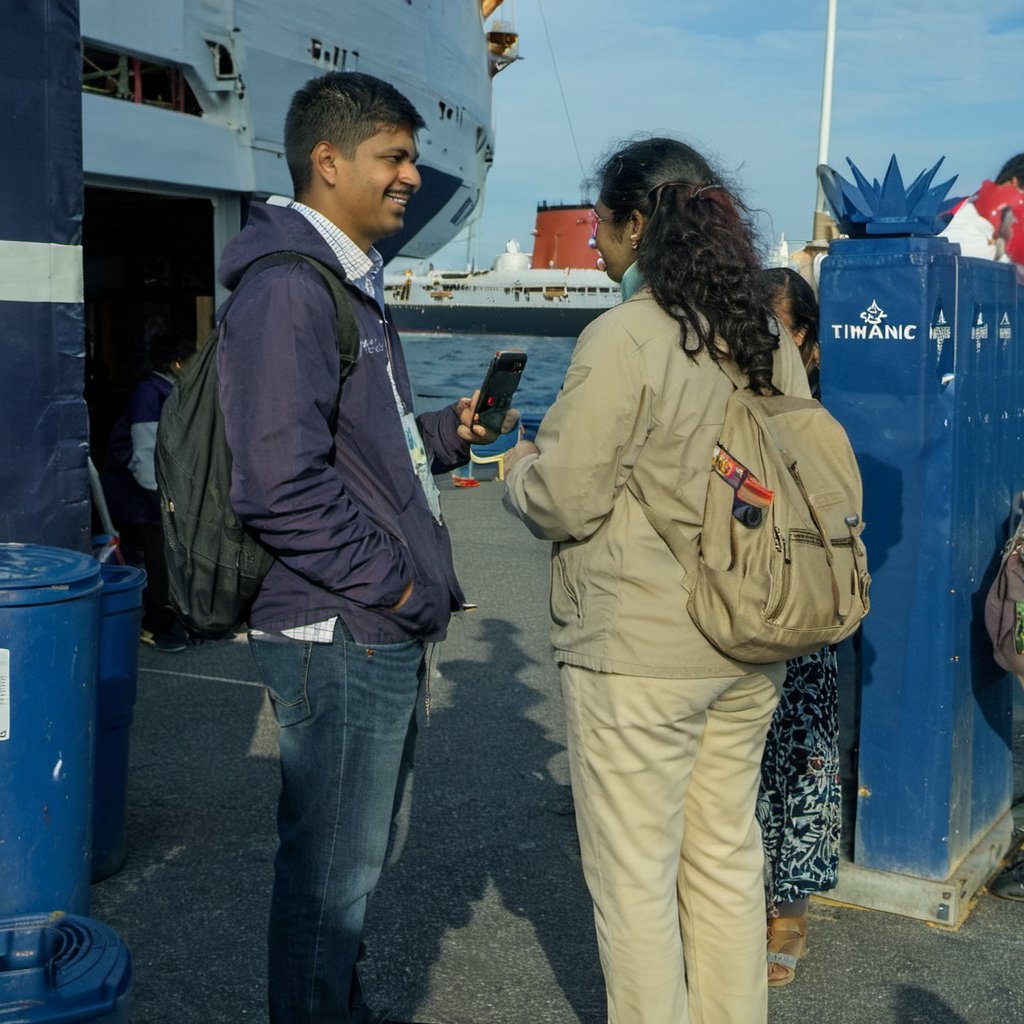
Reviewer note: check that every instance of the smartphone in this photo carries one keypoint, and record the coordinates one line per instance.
(500, 383)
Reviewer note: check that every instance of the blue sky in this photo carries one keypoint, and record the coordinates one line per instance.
(741, 81)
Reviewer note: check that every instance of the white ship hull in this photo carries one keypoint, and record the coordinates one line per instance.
(539, 303)
(243, 59)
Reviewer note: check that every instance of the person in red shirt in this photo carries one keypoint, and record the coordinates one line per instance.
(990, 223)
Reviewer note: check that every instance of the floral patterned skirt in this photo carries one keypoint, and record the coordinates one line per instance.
(799, 805)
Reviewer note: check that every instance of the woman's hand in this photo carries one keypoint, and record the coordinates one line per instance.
(513, 455)
(471, 430)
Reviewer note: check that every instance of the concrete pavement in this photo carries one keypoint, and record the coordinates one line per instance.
(482, 918)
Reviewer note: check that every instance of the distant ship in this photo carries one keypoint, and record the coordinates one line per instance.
(554, 294)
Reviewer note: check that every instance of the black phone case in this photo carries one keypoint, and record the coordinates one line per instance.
(500, 383)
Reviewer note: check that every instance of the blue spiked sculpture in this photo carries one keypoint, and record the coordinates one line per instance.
(869, 208)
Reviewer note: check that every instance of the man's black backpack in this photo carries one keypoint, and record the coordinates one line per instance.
(214, 565)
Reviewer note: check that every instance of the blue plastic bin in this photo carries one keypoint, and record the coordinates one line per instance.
(49, 619)
(116, 682)
(62, 969)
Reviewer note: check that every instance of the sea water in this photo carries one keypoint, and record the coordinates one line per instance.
(444, 367)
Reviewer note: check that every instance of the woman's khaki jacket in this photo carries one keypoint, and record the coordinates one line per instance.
(635, 417)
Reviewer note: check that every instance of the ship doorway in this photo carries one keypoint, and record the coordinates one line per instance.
(148, 268)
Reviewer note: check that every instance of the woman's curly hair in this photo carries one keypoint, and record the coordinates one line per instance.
(697, 251)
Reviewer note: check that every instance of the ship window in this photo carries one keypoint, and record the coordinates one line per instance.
(137, 81)
(223, 61)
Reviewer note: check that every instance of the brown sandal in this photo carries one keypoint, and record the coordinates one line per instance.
(787, 943)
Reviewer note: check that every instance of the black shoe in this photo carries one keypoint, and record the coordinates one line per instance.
(1009, 884)
(171, 639)
(168, 643)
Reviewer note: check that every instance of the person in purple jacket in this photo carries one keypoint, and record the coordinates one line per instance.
(129, 484)
(342, 493)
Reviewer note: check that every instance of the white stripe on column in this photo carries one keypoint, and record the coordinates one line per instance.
(40, 272)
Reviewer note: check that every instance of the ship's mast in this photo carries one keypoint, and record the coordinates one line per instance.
(471, 246)
(821, 217)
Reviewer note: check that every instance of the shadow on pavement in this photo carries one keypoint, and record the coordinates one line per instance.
(491, 866)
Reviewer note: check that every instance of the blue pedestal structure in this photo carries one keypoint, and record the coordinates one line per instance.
(44, 420)
(57, 969)
(116, 682)
(49, 614)
(919, 363)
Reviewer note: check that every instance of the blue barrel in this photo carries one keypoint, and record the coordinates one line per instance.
(116, 680)
(62, 970)
(49, 619)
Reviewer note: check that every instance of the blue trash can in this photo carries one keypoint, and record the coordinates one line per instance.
(62, 970)
(116, 681)
(49, 618)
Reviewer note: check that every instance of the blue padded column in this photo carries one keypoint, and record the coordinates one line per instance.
(44, 487)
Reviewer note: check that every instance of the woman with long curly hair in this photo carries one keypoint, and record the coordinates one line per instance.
(665, 732)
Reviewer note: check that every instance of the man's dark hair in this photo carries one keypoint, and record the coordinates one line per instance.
(344, 108)
(1013, 168)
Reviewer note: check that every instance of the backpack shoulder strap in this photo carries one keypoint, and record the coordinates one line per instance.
(347, 328)
(685, 551)
(739, 379)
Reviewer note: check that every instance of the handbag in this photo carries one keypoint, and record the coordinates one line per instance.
(1004, 604)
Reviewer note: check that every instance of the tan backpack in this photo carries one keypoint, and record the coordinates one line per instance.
(779, 569)
(1004, 603)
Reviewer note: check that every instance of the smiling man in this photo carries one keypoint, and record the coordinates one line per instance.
(338, 487)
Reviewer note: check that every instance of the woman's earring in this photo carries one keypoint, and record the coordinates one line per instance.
(635, 243)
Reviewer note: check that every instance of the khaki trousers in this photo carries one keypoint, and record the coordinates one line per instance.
(664, 776)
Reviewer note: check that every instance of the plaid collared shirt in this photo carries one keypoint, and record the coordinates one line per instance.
(363, 270)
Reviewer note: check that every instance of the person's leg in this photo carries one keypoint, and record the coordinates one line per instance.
(156, 600)
(801, 769)
(775, 824)
(632, 742)
(776, 768)
(721, 891)
(158, 616)
(793, 908)
(345, 711)
(808, 852)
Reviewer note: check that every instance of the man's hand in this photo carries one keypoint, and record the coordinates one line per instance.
(406, 594)
(474, 432)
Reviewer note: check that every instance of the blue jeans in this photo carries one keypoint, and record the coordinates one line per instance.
(347, 714)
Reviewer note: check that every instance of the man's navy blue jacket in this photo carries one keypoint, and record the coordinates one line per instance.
(342, 510)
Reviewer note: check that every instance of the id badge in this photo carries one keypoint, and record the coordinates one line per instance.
(414, 442)
(420, 463)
